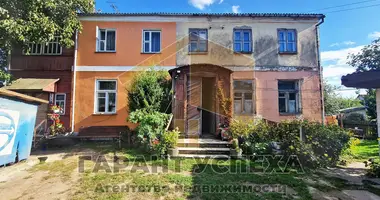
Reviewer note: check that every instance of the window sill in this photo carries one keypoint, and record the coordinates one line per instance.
(248, 52)
(101, 114)
(198, 53)
(105, 51)
(290, 114)
(150, 52)
(287, 53)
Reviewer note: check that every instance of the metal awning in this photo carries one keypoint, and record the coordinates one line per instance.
(33, 85)
(368, 79)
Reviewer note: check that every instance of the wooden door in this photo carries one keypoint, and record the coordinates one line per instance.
(194, 99)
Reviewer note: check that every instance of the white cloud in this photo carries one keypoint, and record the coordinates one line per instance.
(235, 9)
(221, 1)
(347, 43)
(335, 66)
(339, 56)
(201, 4)
(374, 35)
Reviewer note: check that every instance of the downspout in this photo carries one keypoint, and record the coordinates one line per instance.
(320, 70)
(74, 81)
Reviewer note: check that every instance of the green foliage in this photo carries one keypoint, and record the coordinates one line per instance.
(24, 21)
(241, 128)
(374, 168)
(320, 145)
(151, 126)
(170, 138)
(368, 58)
(354, 118)
(150, 90)
(370, 102)
(334, 102)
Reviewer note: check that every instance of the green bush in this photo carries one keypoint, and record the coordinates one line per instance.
(241, 128)
(170, 138)
(319, 146)
(355, 118)
(151, 126)
(374, 168)
(150, 90)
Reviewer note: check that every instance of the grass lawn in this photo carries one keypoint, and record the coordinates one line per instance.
(183, 178)
(363, 151)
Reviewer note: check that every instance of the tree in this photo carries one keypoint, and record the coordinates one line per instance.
(38, 21)
(370, 102)
(151, 91)
(5, 77)
(334, 102)
(368, 59)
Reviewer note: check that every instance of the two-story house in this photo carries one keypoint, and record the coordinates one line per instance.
(45, 72)
(268, 64)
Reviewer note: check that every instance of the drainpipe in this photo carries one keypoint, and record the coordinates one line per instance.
(74, 81)
(320, 70)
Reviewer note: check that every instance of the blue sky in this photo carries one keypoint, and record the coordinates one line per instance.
(342, 33)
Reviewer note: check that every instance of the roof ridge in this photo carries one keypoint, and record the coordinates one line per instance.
(314, 15)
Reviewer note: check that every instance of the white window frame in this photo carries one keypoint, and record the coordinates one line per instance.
(144, 41)
(97, 91)
(64, 102)
(43, 46)
(98, 39)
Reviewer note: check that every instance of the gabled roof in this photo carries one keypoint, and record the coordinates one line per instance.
(33, 84)
(11, 94)
(166, 14)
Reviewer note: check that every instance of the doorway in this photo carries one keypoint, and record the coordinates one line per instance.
(208, 106)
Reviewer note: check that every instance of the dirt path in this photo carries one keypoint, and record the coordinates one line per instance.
(22, 181)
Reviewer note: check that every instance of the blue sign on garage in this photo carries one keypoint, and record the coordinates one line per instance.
(17, 120)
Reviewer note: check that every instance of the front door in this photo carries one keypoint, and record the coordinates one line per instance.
(194, 97)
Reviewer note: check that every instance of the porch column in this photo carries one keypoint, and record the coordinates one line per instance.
(378, 115)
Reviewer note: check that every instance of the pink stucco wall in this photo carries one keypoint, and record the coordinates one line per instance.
(266, 93)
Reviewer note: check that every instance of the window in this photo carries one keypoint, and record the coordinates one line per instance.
(287, 40)
(243, 97)
(288, 97)
(243, 40)
(51, 48)
(198, 40)
(60, 100)
(151, 41)
(106, 40)
(105, 96)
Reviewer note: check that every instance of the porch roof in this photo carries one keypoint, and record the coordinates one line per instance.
(33, 85)
(368, 79)
(198, 64)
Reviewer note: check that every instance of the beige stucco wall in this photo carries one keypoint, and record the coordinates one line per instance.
(265, 47)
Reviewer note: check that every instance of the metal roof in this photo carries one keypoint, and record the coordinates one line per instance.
(31, 84)
(8, 93)
(291, 15)
(367, 79)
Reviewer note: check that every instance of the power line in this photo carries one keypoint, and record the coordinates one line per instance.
(357, 8)
(343, 5)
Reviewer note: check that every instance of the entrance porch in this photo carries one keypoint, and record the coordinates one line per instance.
(196, 108)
